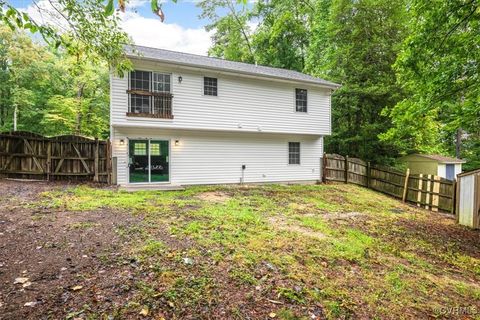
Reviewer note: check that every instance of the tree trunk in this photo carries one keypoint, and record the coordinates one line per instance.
(458, 142)
(78, 125)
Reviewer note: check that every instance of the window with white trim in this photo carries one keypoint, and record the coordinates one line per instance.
(150, 95)
(294, 153)
(210, 86)
(161, 82)
(301, 100)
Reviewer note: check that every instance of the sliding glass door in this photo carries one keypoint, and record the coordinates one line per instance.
(159, 161)
(148, 161)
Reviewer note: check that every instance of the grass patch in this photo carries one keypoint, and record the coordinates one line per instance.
(286, 244)
(83, 225)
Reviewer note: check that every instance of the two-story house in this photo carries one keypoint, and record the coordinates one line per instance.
(184, 119)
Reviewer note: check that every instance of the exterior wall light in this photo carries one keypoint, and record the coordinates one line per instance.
(180, 79)
(122, 142)
(177, 143)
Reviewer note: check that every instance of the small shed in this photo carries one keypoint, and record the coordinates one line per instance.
(434, 164)
(468, 199)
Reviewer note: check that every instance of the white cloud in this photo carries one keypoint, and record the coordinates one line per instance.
(136, 3)
(149, 32)
(152, 32)
(46, 12)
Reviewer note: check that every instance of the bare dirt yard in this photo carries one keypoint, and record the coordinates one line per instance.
(230, 252)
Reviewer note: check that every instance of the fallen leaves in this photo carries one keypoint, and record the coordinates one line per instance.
(76, 288)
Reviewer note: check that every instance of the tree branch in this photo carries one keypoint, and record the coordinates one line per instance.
(242, 30)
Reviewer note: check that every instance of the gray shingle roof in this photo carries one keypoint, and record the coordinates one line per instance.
(188, 59)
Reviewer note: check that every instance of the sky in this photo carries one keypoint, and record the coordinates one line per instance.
(182, 30)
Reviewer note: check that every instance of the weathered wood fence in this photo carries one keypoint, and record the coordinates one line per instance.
(429, 191)
(28, 155)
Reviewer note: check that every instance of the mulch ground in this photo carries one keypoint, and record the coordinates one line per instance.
(58, 255)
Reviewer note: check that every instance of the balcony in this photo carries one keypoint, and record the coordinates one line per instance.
(147, 104)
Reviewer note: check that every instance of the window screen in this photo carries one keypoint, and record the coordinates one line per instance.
(301, 100)
(210, 86)
(294, 153)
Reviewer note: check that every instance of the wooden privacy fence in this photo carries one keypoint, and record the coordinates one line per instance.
(429, 191)
(28, 155)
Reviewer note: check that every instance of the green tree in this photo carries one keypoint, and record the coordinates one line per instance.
(29, 76)
(355, 43)
(232, 37)
(283, 34)
(439, 69)
(55, 93)
(280, 38)
(89, 24)
(84, 107)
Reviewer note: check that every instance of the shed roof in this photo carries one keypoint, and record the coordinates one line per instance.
(438, 158)
(194, 60)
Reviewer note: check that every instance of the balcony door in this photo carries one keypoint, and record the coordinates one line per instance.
(148, 161)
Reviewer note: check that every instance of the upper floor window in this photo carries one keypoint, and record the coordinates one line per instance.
(301, 100)
(161, 82)
(149, 94)
(210, 86)
(140, 80)
(294, 153)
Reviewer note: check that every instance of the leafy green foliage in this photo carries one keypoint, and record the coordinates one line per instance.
(232, 33)
(438, 67)
(54, 92)
(86, 26)
(356, 44)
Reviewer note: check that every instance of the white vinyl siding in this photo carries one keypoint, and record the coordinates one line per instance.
(217, 157)
(243, 104)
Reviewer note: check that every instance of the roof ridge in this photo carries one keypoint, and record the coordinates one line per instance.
(223, 59)
(251, 66)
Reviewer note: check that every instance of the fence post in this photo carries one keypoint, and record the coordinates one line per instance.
(428, 196)
(95, 165)
(346, 169)
(49, 159)
(420, 190)
(108, 162)
(324, 167)
(368, 174)
(405, 186)
(436, 193)
(455, 198)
